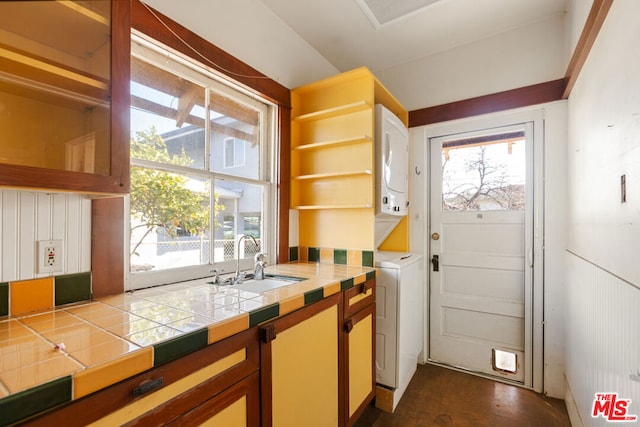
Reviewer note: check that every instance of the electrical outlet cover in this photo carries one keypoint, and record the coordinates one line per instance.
(50, 256)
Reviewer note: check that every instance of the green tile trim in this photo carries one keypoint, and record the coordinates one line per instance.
(293, 253)
(4, 299)
(340, 256)
(371, 274)
(174, 348)
(367, 258)
(314, 254)
(263, 314)
(72, 288)
(30, 402)
(346, 284)
(313, 296)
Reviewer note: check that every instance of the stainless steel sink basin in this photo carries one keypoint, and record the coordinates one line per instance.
(265, 284)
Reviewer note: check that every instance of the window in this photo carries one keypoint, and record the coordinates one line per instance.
(233, 153)
(484, 173)
(202, 152)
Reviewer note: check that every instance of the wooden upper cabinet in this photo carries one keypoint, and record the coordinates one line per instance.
(64, 95)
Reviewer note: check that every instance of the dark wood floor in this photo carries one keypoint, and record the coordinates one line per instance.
(439, 396)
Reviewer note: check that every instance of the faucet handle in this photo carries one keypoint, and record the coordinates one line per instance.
(259, 257)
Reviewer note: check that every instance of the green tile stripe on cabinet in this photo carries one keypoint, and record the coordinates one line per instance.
(367, 258)
(263, 314)
(314, 254)
(340, 256)
(293, 253)
(313, 296)
(346, 284)
(371, 274)
(4, 299)
(72, 288)
(29, 402)
(172, 349)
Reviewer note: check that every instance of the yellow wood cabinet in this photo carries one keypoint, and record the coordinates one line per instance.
(217, 385)
(359, 349)
(333, 161)
(64, 98)
(300, 367)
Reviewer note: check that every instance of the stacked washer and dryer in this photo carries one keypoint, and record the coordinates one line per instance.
(399, 283)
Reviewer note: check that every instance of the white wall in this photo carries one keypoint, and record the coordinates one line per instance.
(603, 295)
(521, 57)
(248, 30)
(27, 217)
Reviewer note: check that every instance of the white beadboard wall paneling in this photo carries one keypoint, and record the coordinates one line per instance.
(27, 217)
(602, 330)
(26, 246)
(9, 262)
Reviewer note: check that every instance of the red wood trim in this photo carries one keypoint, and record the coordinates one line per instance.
(284, 184)
(515, 98)
(97, 405)
(595, 19)
(107, 246)
(143, 20)
(120, 94)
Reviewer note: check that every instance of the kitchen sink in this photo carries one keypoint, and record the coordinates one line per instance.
(265, 284)
(269, 282)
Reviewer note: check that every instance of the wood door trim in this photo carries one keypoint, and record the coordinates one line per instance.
(507, 100)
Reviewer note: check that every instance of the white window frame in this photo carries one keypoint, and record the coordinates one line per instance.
(158, 55)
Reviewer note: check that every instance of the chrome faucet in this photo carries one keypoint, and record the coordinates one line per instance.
(238, 278)
(259, 264)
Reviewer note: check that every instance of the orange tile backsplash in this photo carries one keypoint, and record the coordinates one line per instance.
(31, 295)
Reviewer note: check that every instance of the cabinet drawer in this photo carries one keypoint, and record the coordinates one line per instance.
(358, 297)
(168, 391)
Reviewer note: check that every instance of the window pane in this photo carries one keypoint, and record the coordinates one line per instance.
(169, 107)
(169, 220)
(235, 141)
(484, 174)
(238, 213)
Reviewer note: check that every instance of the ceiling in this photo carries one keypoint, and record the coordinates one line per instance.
(343, 33)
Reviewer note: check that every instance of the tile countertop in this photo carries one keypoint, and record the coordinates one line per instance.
(73, 351)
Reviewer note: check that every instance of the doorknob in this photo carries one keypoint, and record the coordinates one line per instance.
(435, 236)
(435, 260)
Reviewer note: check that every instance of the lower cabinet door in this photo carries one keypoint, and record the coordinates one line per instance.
(359, 348)
(238, 406)
(301, 368)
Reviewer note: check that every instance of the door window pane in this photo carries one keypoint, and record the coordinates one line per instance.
(484, 173)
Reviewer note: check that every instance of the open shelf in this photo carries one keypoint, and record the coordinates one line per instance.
(340, 110)
(334, 175)
(334, 143)
(321, 207)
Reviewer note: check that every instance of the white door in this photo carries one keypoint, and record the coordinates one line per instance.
(480, 246)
